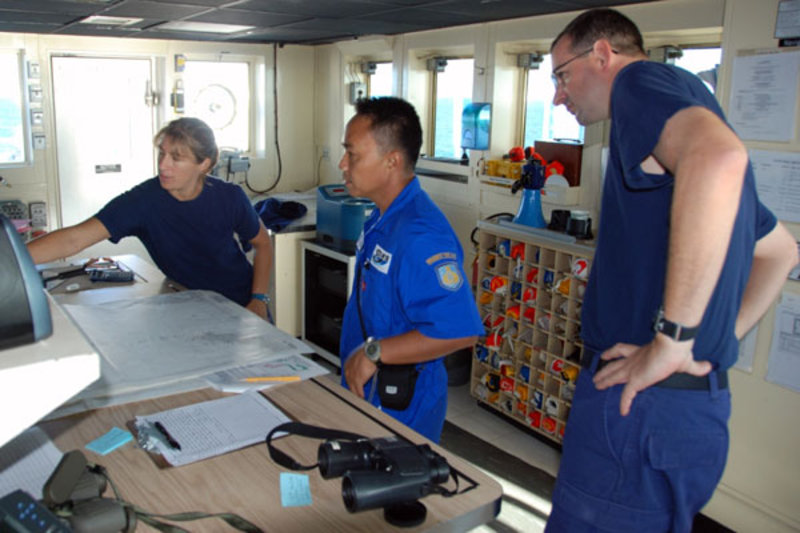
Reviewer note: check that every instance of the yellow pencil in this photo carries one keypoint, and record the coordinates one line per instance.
(256, 379)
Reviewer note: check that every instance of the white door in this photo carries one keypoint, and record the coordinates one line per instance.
(104, 136)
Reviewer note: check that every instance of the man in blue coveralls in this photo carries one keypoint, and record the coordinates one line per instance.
(687, 261)
(411, 304)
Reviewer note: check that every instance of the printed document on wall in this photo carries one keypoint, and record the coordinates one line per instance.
(784, 356)
(747, 351)
(778, 182)
(764, 95)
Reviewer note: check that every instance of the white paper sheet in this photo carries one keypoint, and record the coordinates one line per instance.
(784, 354)
(27, 462)
(778, 182)
(147, 343)
(764, 95)
(211, 428)
(231, 380)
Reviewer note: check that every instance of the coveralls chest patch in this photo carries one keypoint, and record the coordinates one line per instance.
(380, 259)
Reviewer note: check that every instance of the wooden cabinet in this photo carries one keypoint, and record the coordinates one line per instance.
(529, 291)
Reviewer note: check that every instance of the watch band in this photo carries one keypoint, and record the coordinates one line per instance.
(261, 296)
(372, 349)
(673, 330)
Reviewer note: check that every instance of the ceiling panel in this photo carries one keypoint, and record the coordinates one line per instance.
(423, 18)
(281, 21)
(36, 18)
(316, 8)
(49, 6)
(154, 10)
(248, 18)
(351, 26)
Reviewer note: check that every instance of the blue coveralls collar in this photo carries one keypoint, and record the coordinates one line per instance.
(405, 196)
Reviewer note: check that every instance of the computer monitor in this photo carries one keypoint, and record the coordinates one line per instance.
(24, 311)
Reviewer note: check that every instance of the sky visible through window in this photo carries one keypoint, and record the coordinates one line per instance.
(543, 120)
(12, 134)
(702, 61)
(380, 83)
(453, 92)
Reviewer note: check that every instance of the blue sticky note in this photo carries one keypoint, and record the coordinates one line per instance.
(295, 491)
(110, 441)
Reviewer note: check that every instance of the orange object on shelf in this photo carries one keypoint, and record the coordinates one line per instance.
(517, 154)
(553, 167)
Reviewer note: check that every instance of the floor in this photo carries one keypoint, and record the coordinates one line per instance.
(521, 463)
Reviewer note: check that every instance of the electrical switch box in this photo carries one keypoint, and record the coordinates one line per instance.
(38, 212)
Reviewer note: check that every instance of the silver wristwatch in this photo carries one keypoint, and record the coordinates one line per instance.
(372, 349)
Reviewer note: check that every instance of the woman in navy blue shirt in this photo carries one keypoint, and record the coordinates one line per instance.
(186, 219)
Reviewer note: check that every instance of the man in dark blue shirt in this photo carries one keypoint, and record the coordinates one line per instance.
(687, 261)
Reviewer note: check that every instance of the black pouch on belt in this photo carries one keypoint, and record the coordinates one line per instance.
(396, 385)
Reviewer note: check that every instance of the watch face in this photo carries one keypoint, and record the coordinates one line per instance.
(372, 350)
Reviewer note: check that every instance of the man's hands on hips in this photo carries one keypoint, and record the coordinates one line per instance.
(639, 367)
(358, 370)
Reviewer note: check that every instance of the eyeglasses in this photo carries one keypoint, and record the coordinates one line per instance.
(558, 76)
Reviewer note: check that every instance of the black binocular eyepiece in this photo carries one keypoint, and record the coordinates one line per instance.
(381, 472)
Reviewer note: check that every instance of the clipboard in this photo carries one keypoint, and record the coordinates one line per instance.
(203, 430)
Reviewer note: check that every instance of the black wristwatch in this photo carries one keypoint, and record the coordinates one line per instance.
(372, 349)
(673, 330)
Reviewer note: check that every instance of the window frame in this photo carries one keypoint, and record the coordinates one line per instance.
(431, 119)
(523, 104)
(25, 109)
(256, 100)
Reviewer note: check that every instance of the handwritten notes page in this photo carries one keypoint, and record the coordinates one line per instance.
(211, 428)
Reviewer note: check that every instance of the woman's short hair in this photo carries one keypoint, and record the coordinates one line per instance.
(194, 134)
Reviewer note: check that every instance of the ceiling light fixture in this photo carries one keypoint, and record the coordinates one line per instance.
(202, 27)
(102, 20)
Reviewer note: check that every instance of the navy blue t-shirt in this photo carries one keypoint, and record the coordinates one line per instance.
(191, 242)
(626, 284)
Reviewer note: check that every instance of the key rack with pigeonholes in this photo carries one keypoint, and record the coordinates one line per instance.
(530, 293)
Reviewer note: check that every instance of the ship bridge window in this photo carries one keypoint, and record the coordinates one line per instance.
(703, 61)
(452, 91)
(379, 83)
(543, 120)
(14, 146)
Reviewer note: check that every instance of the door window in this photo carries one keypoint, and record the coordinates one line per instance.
(218, 93)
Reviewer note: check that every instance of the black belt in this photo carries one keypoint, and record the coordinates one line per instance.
(678, 380)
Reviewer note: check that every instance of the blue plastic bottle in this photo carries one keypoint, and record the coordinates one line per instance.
(530, 206)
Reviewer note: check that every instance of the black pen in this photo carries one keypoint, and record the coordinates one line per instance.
(170, 440)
